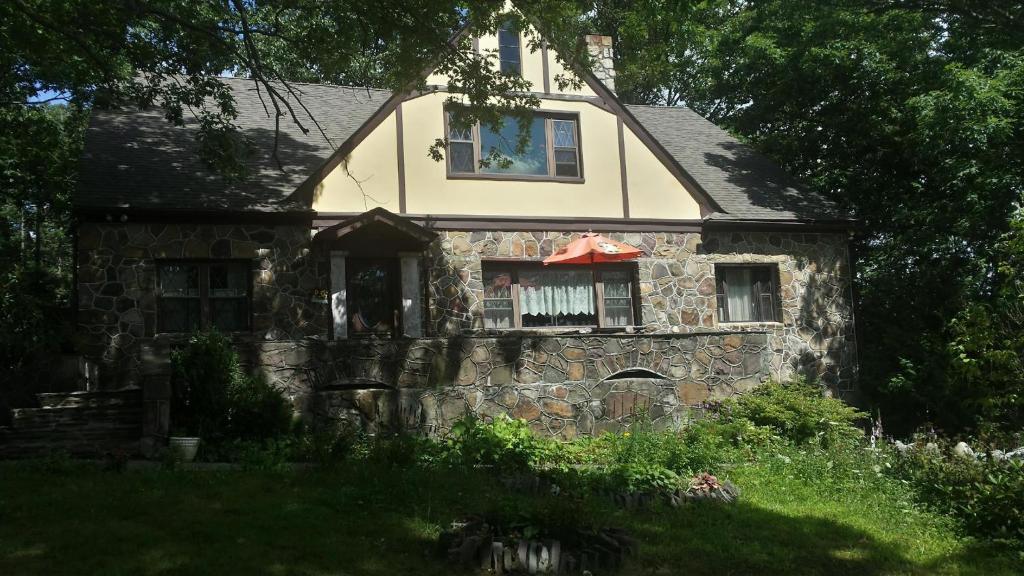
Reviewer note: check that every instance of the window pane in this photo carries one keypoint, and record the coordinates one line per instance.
(460, 134)
(497, 284)
(179, 280)
(508, 50)
(533, 160)
(618, 308)
(179, 314)
(618, 312)
(565, 133)
(565, 163)
(371, 303)
(739, 294)
(229, 314)
(498, 312)
(616, 284)
(228, 280)
(461, 156)
(557, 298)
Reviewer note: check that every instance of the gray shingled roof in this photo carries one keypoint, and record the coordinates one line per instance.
(135, 158)
(746, 184)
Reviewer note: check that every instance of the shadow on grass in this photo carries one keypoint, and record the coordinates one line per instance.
(376, 521)
(709, 538)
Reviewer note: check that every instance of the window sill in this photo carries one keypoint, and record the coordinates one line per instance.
(515, 178)
(238, 335)
(771, 324)
(568, 330)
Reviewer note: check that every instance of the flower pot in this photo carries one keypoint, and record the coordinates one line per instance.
(184, 447)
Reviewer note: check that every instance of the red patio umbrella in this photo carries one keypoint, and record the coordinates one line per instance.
(591, 248)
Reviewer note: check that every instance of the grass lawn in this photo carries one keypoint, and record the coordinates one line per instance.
(367, 520)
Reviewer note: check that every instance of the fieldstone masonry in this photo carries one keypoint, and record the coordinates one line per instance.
(565, 384)
(677, 287)
(562, 385)
(117, 279)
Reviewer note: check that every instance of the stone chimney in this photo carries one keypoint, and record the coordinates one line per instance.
(600, 49)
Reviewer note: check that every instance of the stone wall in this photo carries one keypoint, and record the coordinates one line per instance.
(117, 284)
(677, 287)
(117, 278)
(562, 385)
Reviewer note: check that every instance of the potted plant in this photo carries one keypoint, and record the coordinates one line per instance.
(183, 445)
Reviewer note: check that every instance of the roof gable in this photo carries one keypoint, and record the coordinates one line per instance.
(135, 159)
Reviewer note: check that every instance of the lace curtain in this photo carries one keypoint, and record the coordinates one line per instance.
(555, 292)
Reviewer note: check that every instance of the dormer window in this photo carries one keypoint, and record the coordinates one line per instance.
(552, 151)
(510, 50)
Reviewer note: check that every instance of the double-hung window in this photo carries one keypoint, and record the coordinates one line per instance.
(203, 294)
(747, 293)
(551, 150)
(527, 295)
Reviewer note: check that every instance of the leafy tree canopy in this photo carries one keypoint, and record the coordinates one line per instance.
(908, 113)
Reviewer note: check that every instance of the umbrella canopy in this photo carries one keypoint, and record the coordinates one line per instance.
(591, 248)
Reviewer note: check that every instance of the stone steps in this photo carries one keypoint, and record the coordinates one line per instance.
(106, 398)
(80, 423)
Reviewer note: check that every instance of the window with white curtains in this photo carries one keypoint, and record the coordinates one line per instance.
(747, 293)
(527, 295)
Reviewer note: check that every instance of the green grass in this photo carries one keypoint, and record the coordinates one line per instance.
(363, 519)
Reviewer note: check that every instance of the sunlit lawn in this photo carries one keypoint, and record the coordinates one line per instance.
(367, 520)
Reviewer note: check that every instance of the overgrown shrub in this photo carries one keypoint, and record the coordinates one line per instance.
(504, 443)
(986, 495)
(324, 443)
(800, 413)
(258, 410)
(204, 373)
(213, 397)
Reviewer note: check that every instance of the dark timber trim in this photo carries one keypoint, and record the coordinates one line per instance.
(546, 68)
(622, 168)
(529, 223)
(713, 225)
(128, 214)
(407, 226)
(304, 192)
(707, 203)
(400, 137)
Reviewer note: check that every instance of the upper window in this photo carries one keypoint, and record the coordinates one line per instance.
(194, 295)
(747, 293)
(527, 295)
(510, 50)
(551, 151)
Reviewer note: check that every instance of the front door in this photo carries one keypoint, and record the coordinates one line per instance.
(373, 297)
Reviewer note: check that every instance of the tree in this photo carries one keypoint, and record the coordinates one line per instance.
(169, 53)
(909, 114)
(61, 58)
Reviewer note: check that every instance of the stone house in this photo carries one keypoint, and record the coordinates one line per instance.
(372, 282)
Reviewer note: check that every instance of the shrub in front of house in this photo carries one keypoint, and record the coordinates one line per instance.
(504, 443)
(984, 493)
(799, 412)
(215, 399)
